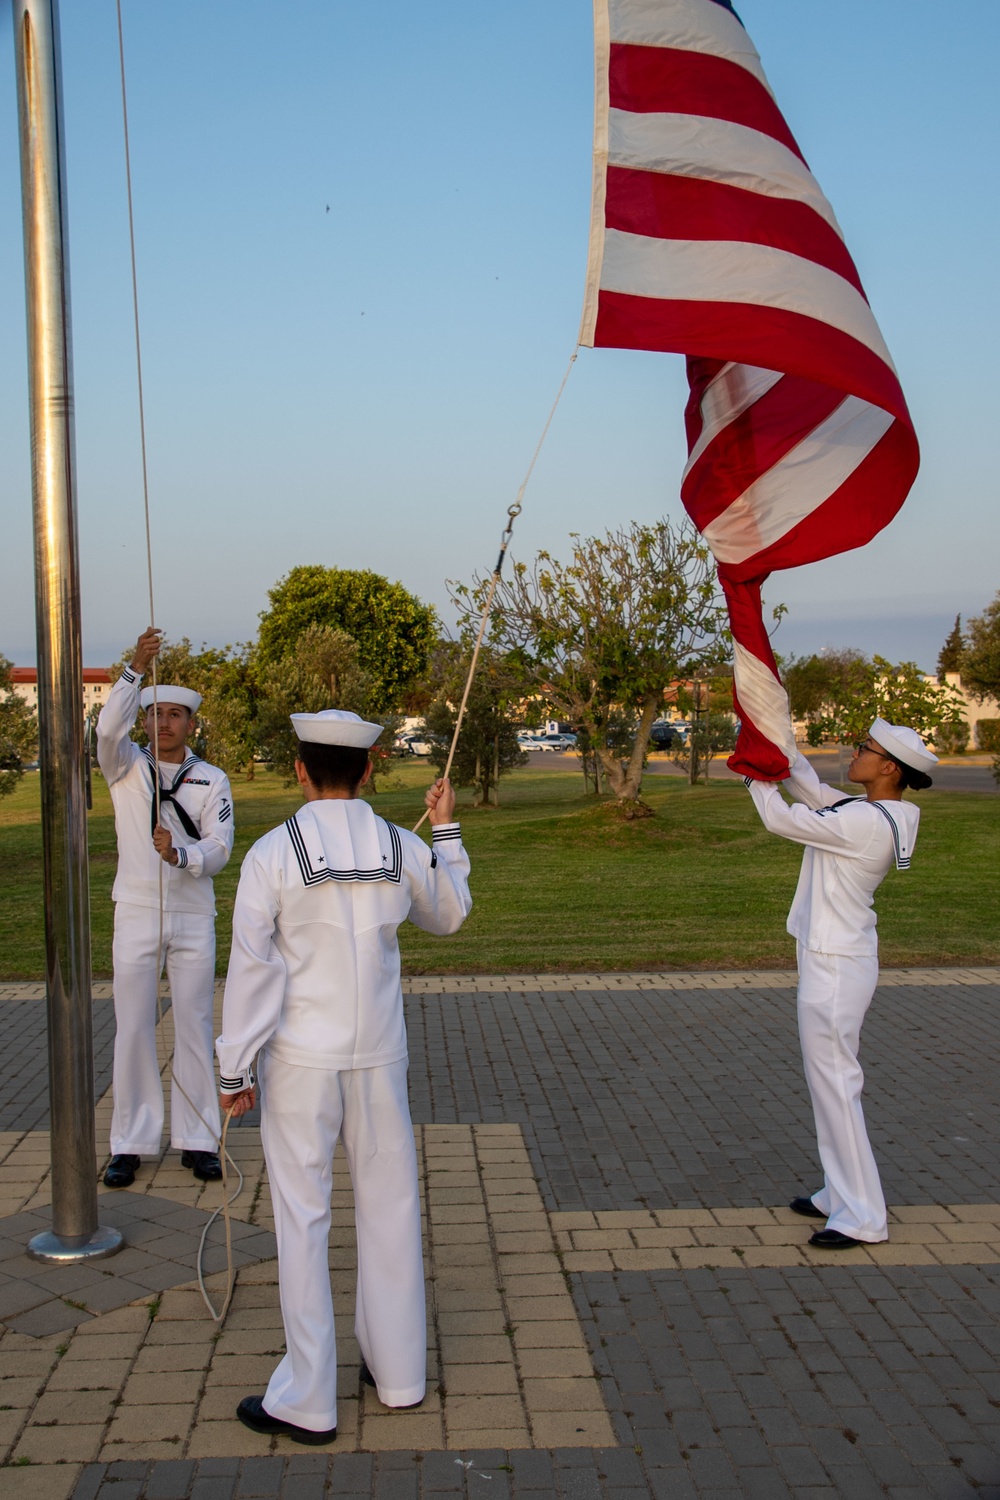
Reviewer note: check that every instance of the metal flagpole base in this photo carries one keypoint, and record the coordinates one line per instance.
(56, 1251)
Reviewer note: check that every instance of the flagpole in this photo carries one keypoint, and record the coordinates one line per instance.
(75, 1234)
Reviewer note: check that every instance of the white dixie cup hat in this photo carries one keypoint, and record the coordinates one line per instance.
(169, 692)
(904, 745)
(336, 726)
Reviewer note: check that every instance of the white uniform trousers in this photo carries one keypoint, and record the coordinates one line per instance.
(834, 994)
(304, 1110)
(189, 954)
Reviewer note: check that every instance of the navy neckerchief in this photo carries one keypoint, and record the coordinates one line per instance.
(167, 794)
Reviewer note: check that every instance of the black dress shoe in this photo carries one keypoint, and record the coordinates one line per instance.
(807, 1208)
(204, 1164)
(121, 1171)
(252, 1414)
(367, 1378)
(832, 1239)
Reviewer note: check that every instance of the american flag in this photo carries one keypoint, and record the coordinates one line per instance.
(710, 237)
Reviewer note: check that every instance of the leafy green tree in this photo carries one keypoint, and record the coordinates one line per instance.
(229, 711)
(819, 687)
(320, 671)
(604, 634)
(707, 705)
(487, 745)
(709, 735)
(900, 694)
(18, 732)
(180, 663)
(980, 662)
(394, 631)
(980, 666)
(950, 655)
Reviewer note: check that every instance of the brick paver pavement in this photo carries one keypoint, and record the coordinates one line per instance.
(621, 1304)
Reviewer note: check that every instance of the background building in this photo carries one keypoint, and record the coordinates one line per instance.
(96, 686)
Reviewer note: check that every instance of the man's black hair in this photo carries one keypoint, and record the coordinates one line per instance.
(333, 768)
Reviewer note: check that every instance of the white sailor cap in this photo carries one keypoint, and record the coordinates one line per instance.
(903, 744)
(169, 692)
(336, 726)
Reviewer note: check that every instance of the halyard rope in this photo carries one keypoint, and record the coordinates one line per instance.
(513, 511)
(168, 1061)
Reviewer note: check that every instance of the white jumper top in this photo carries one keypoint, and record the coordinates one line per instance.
(314, 972)
(202, 790)
(851, 844)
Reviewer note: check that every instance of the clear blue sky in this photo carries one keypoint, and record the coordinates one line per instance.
(364, 387)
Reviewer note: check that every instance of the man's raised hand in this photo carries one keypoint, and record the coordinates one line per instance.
(146, 647)
(440, 800)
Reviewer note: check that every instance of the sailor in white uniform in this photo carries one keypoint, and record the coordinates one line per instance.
(314, 987)
(850, 845)
(191, 843)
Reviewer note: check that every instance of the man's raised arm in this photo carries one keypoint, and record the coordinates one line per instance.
(115, 750)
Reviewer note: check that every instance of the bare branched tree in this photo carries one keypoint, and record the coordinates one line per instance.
(602, 636)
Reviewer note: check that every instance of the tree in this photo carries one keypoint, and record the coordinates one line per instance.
(18, 732)
(980, 665)
(900, 694)
(605, 634)
(819, 687)
(320, 671)
(950, 655)
(980, 661)
(709, 735)
(394, 631)
(213, 672)
(229, 711)
(487, 745)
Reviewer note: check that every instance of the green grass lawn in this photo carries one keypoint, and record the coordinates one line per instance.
(561, 885)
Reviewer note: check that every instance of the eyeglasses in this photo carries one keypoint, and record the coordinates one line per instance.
(875, 750)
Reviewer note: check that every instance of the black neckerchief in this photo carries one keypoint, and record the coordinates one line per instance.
(167, 795)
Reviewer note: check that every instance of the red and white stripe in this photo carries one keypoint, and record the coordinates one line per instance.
(711, 238)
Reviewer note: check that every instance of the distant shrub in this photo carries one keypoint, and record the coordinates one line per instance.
(988, 735)
(952, 739)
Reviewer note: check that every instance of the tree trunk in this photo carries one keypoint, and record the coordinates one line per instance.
(626, 781)
(612, 768)
(633, 775)
(496, 770)
(479, 784)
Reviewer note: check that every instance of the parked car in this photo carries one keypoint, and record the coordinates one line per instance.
(528, 739)
(419, 746)
(556, 742)
(665, 735)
